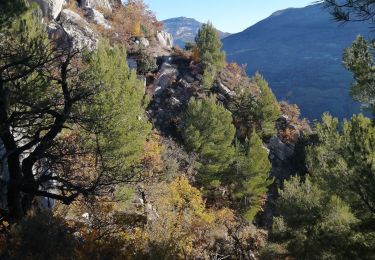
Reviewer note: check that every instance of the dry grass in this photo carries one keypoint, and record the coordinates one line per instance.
(73, 5)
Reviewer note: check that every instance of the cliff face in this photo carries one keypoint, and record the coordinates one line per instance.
(81, 22)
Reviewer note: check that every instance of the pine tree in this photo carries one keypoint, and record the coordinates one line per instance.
(267, 111)
(209, 47)
(119, 107)
(209, 132)
(313, 224)
(79, 116)
(253, 169)
(330, 213)
(211, 57)
(359, 57)
(360, 62)
(343, 162)
(257, 113)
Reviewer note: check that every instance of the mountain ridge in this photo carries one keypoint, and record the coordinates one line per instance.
(299, 51)
(184, 29)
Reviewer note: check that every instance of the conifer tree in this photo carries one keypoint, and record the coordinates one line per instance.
(10, 9)
(358, 58)
(343, 162)
(267, 110)
(76, 119)
(208, 131)
(257, 113)
(253, 169)
(360, 62)
(313, 224)
(211, 57)
(330, 213)
(209, 47)
(119, 107)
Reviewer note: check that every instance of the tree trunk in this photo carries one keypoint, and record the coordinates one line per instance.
(14, 200)
(14, 196)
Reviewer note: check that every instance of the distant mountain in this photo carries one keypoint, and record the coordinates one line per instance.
(185, 29)
(299, 51)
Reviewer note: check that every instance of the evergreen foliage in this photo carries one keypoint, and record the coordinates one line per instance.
(314, 225)
(77, 115)
(208, 131)
(118, 109)
(343, 162)
(211, 57)
(209, 47)
(329, 215)
(257, 113)
(267, 111)
(10, 9)
(253, 169)
(359, 60)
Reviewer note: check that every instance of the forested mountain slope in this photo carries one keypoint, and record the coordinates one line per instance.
(299, 51)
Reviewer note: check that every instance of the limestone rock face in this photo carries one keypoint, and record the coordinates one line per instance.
(165, 39)
(50, 8)
(144, 42)
(78, 30)
(107, 4)
(97, 17)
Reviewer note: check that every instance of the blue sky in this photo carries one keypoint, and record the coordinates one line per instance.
(226, 15)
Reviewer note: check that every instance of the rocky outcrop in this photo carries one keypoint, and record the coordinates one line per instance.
(106, 4)
(171, 92)
(50, 8)
(165, 39)
(78, 30)
(167, 75)
(97, 17)
(225, 90)
(144, 42)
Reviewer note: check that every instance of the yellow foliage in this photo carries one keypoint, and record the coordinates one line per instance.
(136, 29)
(152, 156)
(183, 221)
(185, 198)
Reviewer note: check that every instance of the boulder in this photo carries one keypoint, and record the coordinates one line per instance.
(106, 4)
(144, 42)
(224, 89)
(175, 102)
(97, 17)
(50, 8)
(78, 30)
(165, 39)
(184, 83)
(168, 74)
